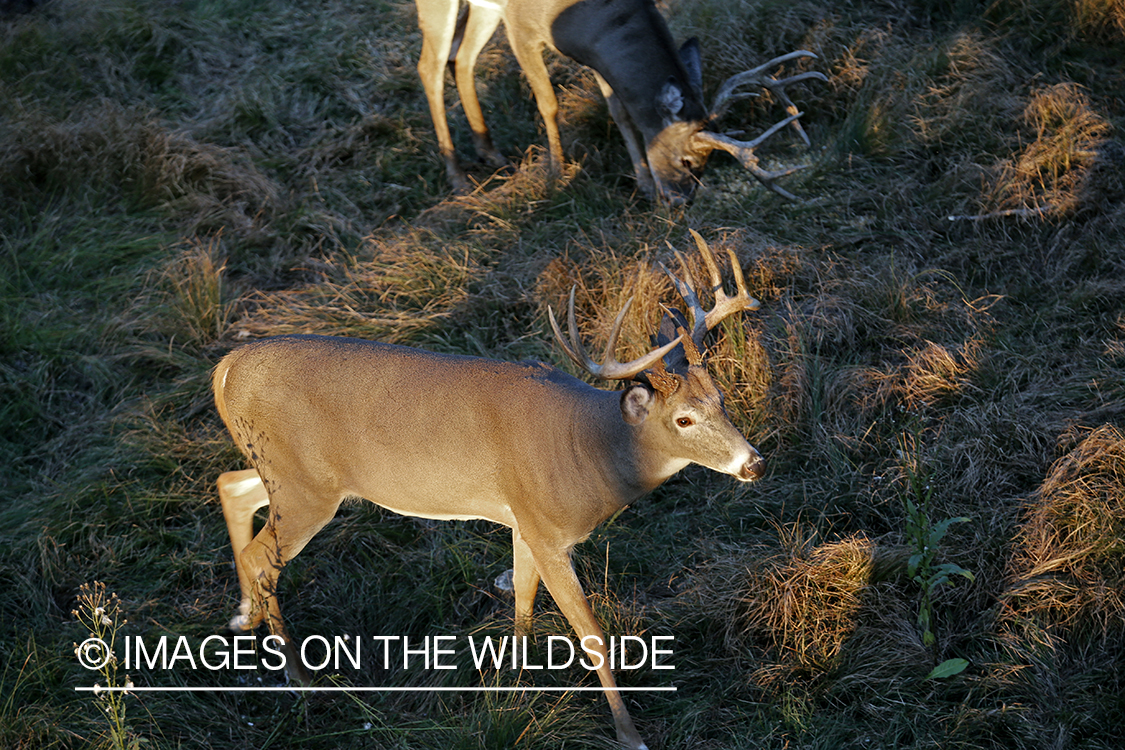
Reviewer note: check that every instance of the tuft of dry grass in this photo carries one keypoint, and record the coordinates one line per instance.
(1065, 569)
(1050, 174)
(1100, 20)
(804, 600)
(122, 148)
(195, 304)
(798, 603)
(390, 290)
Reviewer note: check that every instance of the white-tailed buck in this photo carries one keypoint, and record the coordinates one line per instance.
(654, 92)
(450, 437)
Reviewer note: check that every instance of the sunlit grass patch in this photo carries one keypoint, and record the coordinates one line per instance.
(805, 601)
(393, 293)
(1049, 175)
(191, 301)
(1067, 564)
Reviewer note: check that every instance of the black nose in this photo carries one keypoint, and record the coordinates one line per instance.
(753, 469)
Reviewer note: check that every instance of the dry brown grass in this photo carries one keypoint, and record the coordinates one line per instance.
(797, 604)
(395, 288)
(194, 304)
(1065, 568)
(804, 600)
(113, 146)
(1050, 174)
(1100, 20)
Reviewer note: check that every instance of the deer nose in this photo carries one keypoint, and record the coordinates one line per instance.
(753, 469)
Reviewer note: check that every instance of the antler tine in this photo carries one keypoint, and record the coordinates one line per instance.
(774, 86)
(778, 89)
(751, 76)
(755, 76)
(744, 152)
(725, 305)
(575, 352)
(686, 290)
(610, 369)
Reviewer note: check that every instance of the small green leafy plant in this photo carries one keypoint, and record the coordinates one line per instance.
(925, 537)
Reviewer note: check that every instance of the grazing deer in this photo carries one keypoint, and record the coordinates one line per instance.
(654, 92)
(454, 438)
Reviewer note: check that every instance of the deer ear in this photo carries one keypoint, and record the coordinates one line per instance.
(635, 403)
(670, 101)
(693, 61)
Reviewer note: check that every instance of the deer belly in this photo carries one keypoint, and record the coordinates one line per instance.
(464, 510)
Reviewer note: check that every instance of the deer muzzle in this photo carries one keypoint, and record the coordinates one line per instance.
(753, 469)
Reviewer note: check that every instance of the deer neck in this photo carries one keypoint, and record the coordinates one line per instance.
(627, 457)
(629, 45)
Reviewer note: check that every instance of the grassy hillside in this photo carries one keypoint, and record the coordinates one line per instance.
(941, 345)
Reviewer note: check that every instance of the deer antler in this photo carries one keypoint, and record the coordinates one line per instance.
(725, 306)
(744, 150)
(757, 77)
(610, 369)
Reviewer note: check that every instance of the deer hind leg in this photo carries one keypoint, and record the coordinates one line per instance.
(558, 574)
(481, 23)
(530, 58)
(297, 513)
(438, 21)
(241, 494)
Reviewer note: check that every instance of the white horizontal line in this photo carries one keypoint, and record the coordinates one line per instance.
(334, 689)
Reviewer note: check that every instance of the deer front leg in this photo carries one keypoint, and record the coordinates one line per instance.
(482, 21)
(525, 583)
(530, 58)
(634, 141)
(438, 21)
(558, 574)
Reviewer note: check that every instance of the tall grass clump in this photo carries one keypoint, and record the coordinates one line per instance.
(193, 297)
(1065, 571)
(1051, 174)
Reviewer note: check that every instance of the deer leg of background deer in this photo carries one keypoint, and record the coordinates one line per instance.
(525, 583)
(558, 575)
(634, 142)
(530, 58)
(296, 515)
(478, 30)
(241, 493)
(438, 21)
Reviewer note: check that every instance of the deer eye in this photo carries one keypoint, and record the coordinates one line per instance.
(684, 422)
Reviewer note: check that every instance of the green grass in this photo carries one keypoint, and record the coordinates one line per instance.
(177, 178)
